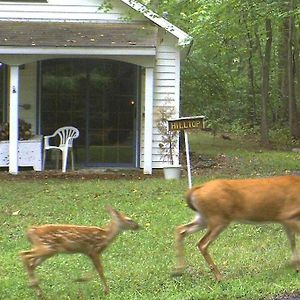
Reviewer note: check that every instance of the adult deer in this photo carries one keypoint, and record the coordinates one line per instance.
(48, 240)
(219, 202)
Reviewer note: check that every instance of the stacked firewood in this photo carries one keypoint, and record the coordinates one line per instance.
(24, 131)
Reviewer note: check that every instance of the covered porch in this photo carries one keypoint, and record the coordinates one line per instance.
(96, 77)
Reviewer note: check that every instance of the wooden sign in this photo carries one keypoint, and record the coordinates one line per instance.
(187, 123)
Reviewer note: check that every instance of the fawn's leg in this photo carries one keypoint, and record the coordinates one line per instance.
(98, 265)
(32, 259)
(209, 237)
(291, 227)
(181, 232)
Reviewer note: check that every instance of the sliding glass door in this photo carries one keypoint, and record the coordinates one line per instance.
(100, 98)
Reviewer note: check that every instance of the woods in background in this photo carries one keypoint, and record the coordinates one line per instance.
(243, 71)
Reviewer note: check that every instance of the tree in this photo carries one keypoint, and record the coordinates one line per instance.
(291, 63)
(265, 86)
(244, 69)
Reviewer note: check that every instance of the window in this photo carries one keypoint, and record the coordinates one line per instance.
(97, 96)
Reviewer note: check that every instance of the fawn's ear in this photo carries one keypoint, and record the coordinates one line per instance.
(113, 212)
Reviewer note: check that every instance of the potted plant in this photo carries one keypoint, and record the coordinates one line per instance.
(29, 146)
(169, 141)
(24, 131)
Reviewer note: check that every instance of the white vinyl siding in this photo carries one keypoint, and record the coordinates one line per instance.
(60, 11)
(166, 86)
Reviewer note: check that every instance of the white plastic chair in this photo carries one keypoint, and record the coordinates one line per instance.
(66, 134)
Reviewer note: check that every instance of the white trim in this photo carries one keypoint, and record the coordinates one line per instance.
(188, 118)
(148, 131)
(177, 82)
(13, 119)
(78, 51)
(177, 99)
(183, 38)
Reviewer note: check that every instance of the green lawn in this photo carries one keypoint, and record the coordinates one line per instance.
(253, 259)
(243, 157)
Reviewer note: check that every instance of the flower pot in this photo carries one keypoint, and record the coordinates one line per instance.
(29, 153)
(172, 172)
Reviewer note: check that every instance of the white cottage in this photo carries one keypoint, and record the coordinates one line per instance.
(71, 63)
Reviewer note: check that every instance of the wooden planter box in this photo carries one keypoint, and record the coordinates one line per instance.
(30, 153)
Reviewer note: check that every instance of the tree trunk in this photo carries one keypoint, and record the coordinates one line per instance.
(265, 87)
(251, 76)
(283, 70)
(293, 112)
(297, 65)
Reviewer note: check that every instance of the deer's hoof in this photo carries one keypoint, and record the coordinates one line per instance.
(296, 264)
(34, 283)
(219, 277)
(177, 272)
(83, 279)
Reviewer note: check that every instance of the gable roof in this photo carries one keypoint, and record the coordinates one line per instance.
(183, 38)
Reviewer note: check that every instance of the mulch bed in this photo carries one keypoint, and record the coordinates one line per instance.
(86, 174)
(288, 297)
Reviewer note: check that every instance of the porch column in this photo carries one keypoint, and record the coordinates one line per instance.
(13, 119)
(148, 135)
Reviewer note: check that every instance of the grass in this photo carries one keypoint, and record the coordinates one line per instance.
(243, 157)
(253, 259)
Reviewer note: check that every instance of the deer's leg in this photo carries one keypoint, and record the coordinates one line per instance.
(98, 265)
(209, 237)
(32, 259)
(291, 228)
(181, 232)
(28, 261)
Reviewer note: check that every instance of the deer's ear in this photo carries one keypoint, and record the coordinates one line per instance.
(112, 211)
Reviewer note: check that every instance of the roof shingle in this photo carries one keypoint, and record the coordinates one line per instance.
(65, 34)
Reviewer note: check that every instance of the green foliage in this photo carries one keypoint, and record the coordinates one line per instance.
(106, 6)
(169, 139)
(282, 137)
(229, 39)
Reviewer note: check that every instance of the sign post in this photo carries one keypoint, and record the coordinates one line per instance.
(187, 124)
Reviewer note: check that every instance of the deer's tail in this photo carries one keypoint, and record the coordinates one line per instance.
(189, 196)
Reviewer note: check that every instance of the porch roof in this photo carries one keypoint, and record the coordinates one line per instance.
(65, 34)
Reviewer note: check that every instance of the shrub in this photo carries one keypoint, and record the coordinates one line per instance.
(24, 131)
